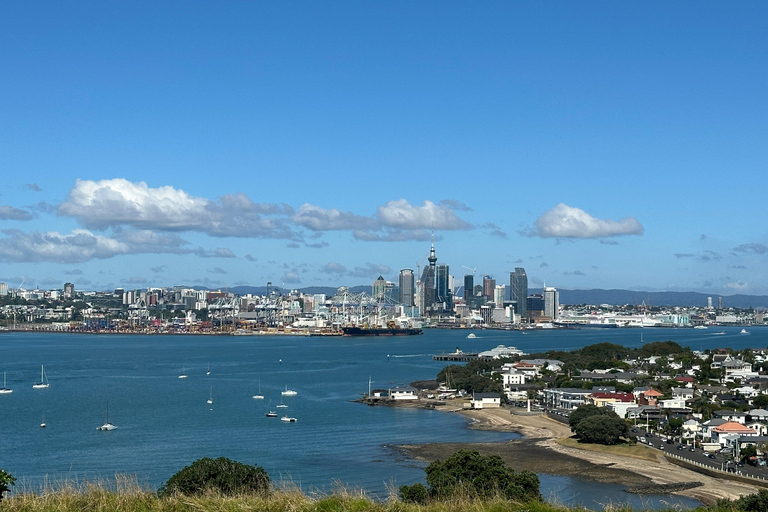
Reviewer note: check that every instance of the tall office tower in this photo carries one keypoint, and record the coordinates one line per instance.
(3, 289)
(709, 302)
(469, 287)
(551, 302)
(489, 285)
(406, 287)
(443, 294)
(720, 303)
(69, 290)
(378, 288)
(498, 295)
(518, 291)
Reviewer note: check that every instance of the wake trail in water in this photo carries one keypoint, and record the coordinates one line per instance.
(411, 355)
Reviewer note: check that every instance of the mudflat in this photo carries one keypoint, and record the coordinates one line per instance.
(540, 452)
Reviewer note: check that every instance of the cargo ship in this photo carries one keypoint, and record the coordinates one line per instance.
(390, 330)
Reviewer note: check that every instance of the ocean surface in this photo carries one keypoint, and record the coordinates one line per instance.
(165, 423)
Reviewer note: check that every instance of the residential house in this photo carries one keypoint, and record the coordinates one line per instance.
(730, 431)
(565, 398)
(729, 415)
(757, 415)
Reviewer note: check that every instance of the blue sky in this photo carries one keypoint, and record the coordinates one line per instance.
(597, 145)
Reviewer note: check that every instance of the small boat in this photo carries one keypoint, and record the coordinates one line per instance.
(43, 380)
(259, 396)
(183, 375)
(42, 423)
(270, 414)
(471, 335)
(288, 392)
(700, 327)
(743, 331)
(4, 390)
(107, 425)
(210, 397)
(209, 369)
(288, 419)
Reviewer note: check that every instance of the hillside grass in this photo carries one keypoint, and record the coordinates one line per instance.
(637, 451)
(123, 496)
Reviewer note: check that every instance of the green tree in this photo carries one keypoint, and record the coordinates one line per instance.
(601, 429)
(467, 472)
(747, 452)
(760, 401)
(222, 474)
(585, 411)
(6, 480)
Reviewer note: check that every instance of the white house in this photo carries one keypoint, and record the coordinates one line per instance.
(485, 400)
(404, 393)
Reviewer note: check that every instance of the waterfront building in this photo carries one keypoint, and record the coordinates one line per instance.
(551, 302)
(406, 296)
(518, 290)
(3, 289)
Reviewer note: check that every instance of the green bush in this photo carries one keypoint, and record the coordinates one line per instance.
(222, 475)
(6, 480)
(601, 429)
(757, 502)
(471, 474)
(415, 493)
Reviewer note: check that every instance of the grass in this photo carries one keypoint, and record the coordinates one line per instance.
(637, 451)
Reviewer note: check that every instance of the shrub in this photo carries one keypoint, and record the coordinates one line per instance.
(222, 475)
(469, 473)
(6, 480)
(415, 493)
(601, 429)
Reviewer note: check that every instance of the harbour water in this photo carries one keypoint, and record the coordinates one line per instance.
(165, 422)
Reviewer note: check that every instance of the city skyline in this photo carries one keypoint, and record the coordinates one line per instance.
(595, 146)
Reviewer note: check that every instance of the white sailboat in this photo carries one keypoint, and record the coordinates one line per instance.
(288, 419)
(281, 405)
(270, 414)
(107, 425)
(43, 380)
(259, 396)
(183, 374)
(288, 392)
(209, 369)
(42, 423)
(210, 397)
(4, 390)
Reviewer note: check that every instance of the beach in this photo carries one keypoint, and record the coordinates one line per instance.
(540, 452)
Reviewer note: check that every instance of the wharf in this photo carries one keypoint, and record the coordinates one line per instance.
(456, 356)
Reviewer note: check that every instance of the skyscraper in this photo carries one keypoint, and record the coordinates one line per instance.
(489, 285)
(469, 287)
(427, 285)
(406, 287)
(518, 290)
(378, 288)
(551, 302)
(443, 295)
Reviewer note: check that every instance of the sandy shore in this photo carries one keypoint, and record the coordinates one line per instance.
(539, 451)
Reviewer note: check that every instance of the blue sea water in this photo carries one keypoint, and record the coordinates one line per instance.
(165, 423)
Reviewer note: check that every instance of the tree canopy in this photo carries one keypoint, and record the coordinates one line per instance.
(222, 475)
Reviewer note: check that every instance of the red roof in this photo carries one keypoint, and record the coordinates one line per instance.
(621, 397)
(684, 378)
(652, 392)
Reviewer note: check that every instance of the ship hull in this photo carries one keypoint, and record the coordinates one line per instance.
(388, 331)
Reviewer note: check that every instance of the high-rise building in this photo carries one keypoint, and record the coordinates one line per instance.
(720, 303)
(3, 289)
(406, 287)
(518, 291)
(427, 284)
(551, 302)
(489, 285)
(69, 290)
(378, 288)
(498, 295)
(709, 302)
(443, 295)
(469, 286)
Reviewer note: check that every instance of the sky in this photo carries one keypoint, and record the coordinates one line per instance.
(595, 144)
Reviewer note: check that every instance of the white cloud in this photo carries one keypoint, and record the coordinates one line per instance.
(81, 245)
(333, 268)
(565, 221)
(119, 202)
(317, 218)
(401, 214)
